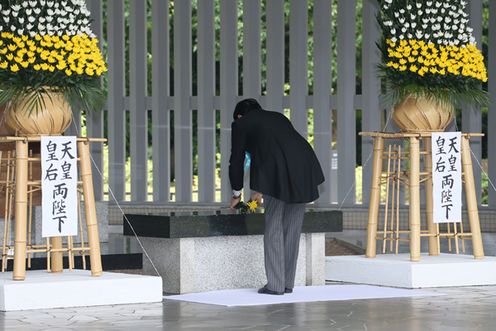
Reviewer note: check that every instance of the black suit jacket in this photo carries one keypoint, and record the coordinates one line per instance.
(283, 164)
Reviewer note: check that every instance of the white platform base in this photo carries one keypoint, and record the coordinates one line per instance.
(399, 271)
(42, 290)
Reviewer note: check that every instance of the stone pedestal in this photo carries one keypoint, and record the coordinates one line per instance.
(76, 288)
(226, 262)
(398, 271)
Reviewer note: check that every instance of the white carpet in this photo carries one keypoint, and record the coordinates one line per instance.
(250, 297)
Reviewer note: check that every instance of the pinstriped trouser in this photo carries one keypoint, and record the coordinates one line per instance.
(283, 223)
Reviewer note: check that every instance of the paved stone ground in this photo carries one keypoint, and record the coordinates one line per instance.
(468, 308)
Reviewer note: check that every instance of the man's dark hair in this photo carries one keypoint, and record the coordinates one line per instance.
(245, 106)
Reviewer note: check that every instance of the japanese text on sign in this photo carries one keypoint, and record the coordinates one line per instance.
(59, 186)
(447, 177)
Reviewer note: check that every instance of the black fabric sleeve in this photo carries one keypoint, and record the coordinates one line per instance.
(236, 161)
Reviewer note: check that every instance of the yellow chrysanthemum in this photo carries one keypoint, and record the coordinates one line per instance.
(425, 58)
(252, 205)
(79, 53)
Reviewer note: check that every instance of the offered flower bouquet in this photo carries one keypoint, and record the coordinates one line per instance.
(48, 46)
(249, 207)
(429, 51)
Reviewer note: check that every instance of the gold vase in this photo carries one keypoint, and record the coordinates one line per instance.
(53, 119)
(419, 114)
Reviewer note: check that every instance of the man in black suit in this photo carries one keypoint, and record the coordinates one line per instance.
(285, 170)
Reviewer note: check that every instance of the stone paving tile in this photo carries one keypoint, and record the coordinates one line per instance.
(467, 308)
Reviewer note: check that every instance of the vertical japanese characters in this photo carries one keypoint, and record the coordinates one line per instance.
(59, 186)
(447, 177)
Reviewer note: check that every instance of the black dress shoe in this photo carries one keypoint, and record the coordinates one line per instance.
(265, 290)
(288, 290)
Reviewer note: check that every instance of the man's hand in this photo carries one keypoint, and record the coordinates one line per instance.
(255, 196)
(235, 201)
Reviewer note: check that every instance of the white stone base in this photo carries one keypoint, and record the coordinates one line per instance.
(190, 265)
(399, 271)
(43, 290)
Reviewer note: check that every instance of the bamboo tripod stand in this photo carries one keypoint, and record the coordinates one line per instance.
(19, 187)
(413, 178)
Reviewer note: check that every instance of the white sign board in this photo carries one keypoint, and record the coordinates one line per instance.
(447, 177)
(59, 186)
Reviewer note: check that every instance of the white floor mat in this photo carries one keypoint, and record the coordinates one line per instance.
(250, 297)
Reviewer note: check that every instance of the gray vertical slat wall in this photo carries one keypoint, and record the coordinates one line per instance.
(298, 64)
(345, 100)
(228, 86)
(321, 89)
(275, 54)
(491, 120)
(206, 92)
(251, 58)
(137, 105)
(94, 119)
(160, 92)
(371, 112)
(299, 100)
(116, 81)
(471, 115)
(183, 163)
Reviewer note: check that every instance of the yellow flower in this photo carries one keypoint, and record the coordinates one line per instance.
(14, 68)
(252, 205)
(37, 67)
(68, 72)
(4, 65)
(61, 65)
(413, 68)
(12, 47)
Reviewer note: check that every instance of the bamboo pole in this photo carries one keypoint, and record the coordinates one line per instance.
(473, 212)
(398, 200)
(374, 197)
(393, 174)
(56, 256)
(6, 229)
(433, 249)
(89, 205)
(21, 197)
(414, 213)
(386, 205)
(449, 237)
(30, 209)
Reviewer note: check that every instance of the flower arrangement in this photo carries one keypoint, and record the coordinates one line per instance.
(428, 50)
(48, 46)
